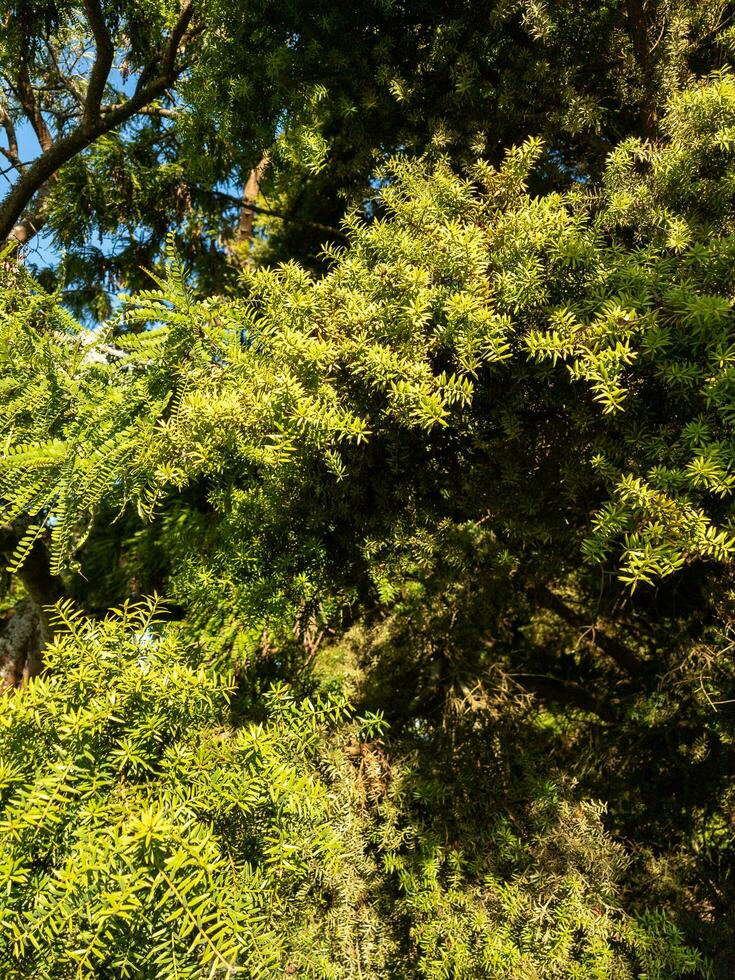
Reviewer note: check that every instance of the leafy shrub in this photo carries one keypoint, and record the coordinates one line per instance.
(145, 835)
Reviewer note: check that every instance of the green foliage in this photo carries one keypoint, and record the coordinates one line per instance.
(474, 478)
(329, 90)
(423, 318)
(142, 836)
(145, 836)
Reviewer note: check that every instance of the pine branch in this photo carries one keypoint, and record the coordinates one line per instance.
(624, 658)
(258, 209)
(564, 693)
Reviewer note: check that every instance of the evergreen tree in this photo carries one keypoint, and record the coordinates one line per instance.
(442, 681)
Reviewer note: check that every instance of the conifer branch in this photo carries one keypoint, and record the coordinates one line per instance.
(162, 72)
(104, 52)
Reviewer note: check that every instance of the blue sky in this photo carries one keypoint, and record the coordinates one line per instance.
(40, 251)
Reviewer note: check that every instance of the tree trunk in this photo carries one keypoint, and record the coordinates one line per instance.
(249, 200)
(640, 21)
(28, 629)
(21, 643)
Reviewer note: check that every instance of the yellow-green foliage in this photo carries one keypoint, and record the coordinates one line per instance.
(605, 309)
(142, 835)
(491, 410)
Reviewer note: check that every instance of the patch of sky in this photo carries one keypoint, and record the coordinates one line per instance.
(43, 251)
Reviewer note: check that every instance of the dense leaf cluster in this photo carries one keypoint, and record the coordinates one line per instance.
(145, 836)
(436, 332)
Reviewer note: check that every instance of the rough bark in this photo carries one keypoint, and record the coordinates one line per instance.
(20, 645)
(29, 629)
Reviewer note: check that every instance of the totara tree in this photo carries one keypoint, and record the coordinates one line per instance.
(441, 681)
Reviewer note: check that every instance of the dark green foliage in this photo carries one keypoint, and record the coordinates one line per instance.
(329, 91)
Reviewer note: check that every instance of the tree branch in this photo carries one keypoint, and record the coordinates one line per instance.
(565, 693)
(65, 81)
(29, 225)
(104, 51)
(27, 98)
(11, 154)
(250, 199)
(624, 658)
(175, 39)
(156, 112)
(167, 59)
(238, 202)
